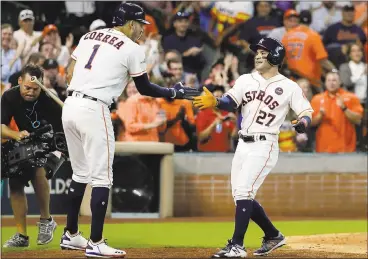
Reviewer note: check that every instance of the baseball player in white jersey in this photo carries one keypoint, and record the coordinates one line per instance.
(265, 98)
(102, 63)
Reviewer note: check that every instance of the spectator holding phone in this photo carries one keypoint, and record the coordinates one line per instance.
(215, 128)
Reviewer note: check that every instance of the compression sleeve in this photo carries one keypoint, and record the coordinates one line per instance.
(226, 103)
(145, 87)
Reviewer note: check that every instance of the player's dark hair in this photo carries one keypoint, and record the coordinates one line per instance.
(32, 70)
(173, 60)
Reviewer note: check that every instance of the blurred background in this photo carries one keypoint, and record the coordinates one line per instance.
(207, 43)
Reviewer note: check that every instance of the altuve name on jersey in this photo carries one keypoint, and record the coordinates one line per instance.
(100, 36)
(261, 96)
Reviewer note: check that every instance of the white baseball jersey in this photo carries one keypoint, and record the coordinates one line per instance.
(104, 61)
(265, 103)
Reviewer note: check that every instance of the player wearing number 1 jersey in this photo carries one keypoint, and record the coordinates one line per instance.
(102, 63)
(265, 98)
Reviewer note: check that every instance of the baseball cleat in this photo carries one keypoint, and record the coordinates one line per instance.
(269, 244)
(73, 242)
(231, 250)
(102, 250)
(46, 231)
(17, 241)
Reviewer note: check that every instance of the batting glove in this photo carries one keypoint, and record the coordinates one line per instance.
(205, 101)
(183, 92)
(300, 126)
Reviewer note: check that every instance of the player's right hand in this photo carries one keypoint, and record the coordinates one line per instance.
(20, 135)
(184, 92)
(300, 126)
(208, 100)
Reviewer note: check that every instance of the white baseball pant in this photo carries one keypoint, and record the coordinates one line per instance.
(252, 162)
(90, 137)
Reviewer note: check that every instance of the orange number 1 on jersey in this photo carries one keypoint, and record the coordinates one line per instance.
(89, 64)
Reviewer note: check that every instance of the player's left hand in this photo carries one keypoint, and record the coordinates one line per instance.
(300, 126)
(184, 92)
(208, 100)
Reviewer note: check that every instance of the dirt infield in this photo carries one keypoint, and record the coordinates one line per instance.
(317, 246)
(352, 243)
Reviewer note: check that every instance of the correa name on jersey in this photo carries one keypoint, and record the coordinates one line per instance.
(103, 37)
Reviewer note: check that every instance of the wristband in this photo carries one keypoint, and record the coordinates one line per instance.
(217, 102)
(306, 120)
(174, 93)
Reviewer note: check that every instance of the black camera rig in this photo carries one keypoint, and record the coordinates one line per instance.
(36, 150)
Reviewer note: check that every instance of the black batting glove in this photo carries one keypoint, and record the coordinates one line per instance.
(183, 92)
(300, 126)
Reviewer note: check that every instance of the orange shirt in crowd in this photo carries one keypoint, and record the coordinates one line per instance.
(218, 141)
(304, 50)
(61, 70)
(335, 133)
(152, 27)
(176, 134)
(137, 111)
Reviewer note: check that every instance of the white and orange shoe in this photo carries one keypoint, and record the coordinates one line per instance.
(73, 242)
(102, 250)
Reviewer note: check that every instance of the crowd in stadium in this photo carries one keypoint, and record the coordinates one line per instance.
(207, 44)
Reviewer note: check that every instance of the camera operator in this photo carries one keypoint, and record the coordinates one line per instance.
(31, 109)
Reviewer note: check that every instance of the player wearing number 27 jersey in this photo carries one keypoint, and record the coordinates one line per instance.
(266, 102)
(265, 98)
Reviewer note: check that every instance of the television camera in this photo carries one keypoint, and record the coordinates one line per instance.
(42, 148)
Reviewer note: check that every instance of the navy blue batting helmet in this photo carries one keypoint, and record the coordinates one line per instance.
(275, 47)
(128, 12)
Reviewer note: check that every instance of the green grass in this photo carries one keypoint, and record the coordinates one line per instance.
(189, 234)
